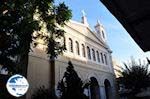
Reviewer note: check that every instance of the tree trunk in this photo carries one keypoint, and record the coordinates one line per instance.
(52, 75)
(23, 65)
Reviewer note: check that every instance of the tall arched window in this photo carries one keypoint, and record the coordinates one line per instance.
(98, 58)
(93, 53)
(105, 57)
(83, 50)
(88, 52)
(70, 45)
(77, 48)
(65, 43)
(102, 58)
(103, 34)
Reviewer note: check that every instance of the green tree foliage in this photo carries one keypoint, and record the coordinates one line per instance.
(135, 77)
(71, 86)
(17, 25)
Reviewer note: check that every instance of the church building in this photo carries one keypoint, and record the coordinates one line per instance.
(90, 55)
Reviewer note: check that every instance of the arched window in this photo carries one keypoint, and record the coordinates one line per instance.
(103, 34)
(88, 52)
(77, 48)
(98, 58)
(102, 58)
(70, 45)
(105, 57)
(83, 50)
(65, 43)
(93, 53)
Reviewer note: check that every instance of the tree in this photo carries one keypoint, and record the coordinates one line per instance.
(71, 86)
(16, 31)
(135, 77)
(53, 16)
(17, 25)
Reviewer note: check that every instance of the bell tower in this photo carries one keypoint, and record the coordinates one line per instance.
(98, 27)
(84, 18)
(100, 31)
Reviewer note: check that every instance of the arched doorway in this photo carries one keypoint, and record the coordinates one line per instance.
(94, 88)
(107, 89)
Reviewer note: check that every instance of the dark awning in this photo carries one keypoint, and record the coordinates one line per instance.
(134, 15)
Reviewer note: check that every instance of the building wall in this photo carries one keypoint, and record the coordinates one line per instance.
(38, 68)
(117, 68)
(38, 71)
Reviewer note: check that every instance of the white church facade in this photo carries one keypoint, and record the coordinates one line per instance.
(89, 53)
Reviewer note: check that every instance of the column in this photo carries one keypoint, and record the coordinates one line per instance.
(89, 90)
(102, 92)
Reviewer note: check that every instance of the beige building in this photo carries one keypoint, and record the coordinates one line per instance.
(117, 68)
(90, 55)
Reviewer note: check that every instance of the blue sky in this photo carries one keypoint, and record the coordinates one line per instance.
(120, 42)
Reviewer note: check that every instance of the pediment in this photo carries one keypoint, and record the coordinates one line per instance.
(85, 30)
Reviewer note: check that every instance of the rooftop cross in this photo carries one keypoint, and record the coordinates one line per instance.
(98, 22)
(83, 13)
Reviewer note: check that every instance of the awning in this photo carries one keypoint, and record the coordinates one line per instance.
(134, 15)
